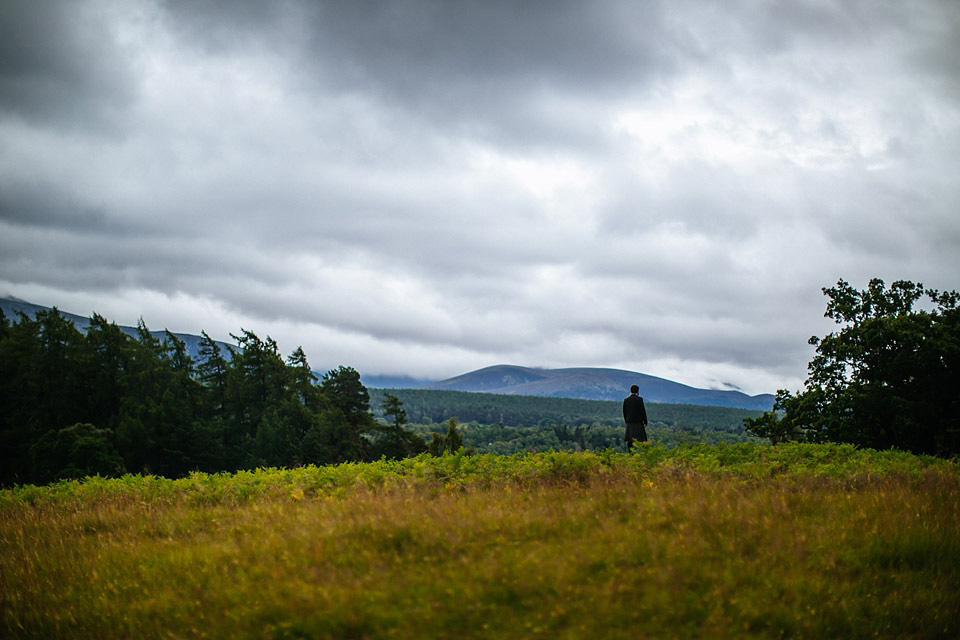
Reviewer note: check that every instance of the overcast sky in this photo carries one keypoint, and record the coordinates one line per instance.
(427, 187)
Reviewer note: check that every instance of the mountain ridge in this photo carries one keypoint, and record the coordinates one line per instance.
(594, 383)
(12, 306)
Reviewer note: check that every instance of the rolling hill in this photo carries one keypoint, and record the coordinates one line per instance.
(595, 384)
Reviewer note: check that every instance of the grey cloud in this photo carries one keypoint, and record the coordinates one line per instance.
(43, 205)
(486, 43)
(60, 65)
(773, 28)
(493, 70)
(442, 185)
(216, 27)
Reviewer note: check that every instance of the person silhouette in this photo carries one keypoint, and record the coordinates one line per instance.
(635, 417)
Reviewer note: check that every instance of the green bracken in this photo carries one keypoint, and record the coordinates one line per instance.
(737, 541)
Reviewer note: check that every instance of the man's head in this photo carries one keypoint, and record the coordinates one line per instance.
(634, 389)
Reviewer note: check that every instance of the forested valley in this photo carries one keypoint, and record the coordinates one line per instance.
(426, 406)
(507, 424)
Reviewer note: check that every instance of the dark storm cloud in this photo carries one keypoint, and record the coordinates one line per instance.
(43, 206)
(60, 67)
(510, 47)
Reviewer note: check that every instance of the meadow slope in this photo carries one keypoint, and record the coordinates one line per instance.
(805, 541)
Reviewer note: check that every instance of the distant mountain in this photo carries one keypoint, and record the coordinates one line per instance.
(14, 306)
(393, 382)
(595, 384)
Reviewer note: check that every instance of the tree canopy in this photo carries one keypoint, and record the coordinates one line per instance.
(104, 402)
(888, 377)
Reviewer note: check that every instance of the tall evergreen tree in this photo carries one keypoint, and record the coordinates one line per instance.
(43, 387)
(212, 369)
(449, 443)
(110, 354)
(393, 440)
(59, 383)
(345, 393)
(253, 388)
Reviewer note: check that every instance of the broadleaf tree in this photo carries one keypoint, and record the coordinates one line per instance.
(888, 377)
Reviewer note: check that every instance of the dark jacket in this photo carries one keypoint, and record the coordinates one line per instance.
(633, 410)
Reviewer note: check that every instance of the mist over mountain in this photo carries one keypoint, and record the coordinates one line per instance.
(12, 307)
(595, 384)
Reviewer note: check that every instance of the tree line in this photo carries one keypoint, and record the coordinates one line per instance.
(432, 406)
(507, 440)
(77, 404)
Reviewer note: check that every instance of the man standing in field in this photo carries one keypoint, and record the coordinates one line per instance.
(635, 415)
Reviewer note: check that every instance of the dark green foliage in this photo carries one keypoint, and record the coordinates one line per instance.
(427, 406)
(75, 452)
(446, 443)
(392, 440)
(393, 408)
(43, 374)
(887, 378)
(562, 424)
(507, 440)
(211, 371)
(771, 424)
(347, 395)
(105, 402)
(343, 388)
(331, 440)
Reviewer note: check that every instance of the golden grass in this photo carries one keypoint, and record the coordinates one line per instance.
(626, 550)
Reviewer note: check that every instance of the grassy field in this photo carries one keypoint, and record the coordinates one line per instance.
(805, 541)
